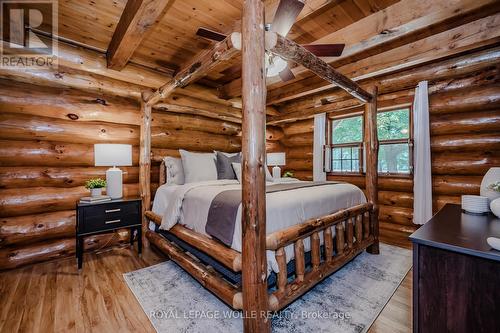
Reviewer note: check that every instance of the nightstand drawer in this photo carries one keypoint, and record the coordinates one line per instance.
(99, 223)
(112, 215)
(111, 210)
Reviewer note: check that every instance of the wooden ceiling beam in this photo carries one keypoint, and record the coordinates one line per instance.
(339, 101)
(457, 66)
(138, 18)
(404, 22)
(292, 51)
(470, 36)
(196, 68)
(93, 62)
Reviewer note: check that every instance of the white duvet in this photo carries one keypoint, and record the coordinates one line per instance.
(189, 204)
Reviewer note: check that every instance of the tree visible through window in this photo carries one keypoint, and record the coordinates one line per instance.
(346, 144)
(394, 134)
(344, 147)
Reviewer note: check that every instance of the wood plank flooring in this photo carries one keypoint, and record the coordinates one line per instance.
(54, 297)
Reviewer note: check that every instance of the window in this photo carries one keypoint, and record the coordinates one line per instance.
(394, 134)
(346, 146)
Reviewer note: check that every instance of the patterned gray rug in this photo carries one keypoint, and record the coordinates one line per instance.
(348, 301)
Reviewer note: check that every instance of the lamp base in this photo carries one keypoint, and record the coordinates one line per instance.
(276, 172)
(114, 181)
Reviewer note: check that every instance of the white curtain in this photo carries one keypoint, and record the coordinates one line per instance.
(422, 188)
(319, 173)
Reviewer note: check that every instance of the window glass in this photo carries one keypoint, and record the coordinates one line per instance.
(347, 130)
(393, 129)
(393, 124)
(345, 159)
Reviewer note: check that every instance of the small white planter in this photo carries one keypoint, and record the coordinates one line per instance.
(492, 176)
(95, 192)
(495, 207)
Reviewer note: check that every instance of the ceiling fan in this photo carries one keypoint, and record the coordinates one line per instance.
(284, 18)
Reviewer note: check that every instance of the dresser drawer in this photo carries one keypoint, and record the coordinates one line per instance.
(109, 216)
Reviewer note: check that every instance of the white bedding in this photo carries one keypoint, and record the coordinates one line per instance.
(189, 204)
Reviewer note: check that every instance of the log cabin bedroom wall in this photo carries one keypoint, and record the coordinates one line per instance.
(47, 155)
(464, 102)
(47, 135)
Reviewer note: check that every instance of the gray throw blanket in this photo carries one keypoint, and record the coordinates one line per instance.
(224, 208)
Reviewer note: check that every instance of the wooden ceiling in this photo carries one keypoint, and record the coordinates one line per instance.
(381, 37)
(173, 41)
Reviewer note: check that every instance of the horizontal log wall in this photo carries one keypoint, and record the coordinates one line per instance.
(46, 155)
(47, 135)
(465, 142)
(173, 131)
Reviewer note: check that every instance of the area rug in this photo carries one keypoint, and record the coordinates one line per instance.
(347, 301)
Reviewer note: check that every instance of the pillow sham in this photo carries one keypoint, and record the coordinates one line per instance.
(237, 170)
(198, 167)
(224, 167)
(174, 170)
(227, 154)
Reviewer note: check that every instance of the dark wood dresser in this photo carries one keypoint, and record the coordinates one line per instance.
(456, 274)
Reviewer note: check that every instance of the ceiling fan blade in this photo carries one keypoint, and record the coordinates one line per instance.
(210, 34)
(325, 50)
(287, 74)
(285, 16)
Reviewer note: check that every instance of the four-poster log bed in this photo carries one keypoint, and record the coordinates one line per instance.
(355, 228)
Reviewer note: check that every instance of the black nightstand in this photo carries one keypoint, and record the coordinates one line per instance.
(99, 218)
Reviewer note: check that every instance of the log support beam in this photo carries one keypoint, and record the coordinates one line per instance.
(255, 297)
(291, 51)
(372, 146)
(145, 166)
(201, 65)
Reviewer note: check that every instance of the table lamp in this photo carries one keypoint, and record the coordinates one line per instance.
(113, 155)
(274, 160)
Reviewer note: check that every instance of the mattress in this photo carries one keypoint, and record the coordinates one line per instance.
(283, 209)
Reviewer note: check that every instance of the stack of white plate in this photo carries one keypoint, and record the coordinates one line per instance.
(475, 204)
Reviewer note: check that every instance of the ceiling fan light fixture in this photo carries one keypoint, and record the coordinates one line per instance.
(274, 65)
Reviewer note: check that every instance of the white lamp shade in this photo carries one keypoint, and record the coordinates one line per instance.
(112, 154)
(276, 159)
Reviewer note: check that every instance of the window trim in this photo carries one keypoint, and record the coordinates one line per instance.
(408, 141)
(328, 145)
(360, 144)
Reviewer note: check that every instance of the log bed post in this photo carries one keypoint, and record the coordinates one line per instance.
(145, 166)
(371, 139)
(254, 274)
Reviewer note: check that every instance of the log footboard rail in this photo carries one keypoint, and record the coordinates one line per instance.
(355, 230)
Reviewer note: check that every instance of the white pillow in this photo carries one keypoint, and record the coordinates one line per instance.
(237, 170)
(174, 170)
(198, 167)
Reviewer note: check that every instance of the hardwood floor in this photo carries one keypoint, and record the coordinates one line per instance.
(54, 297)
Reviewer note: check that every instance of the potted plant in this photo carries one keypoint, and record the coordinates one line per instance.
(95, 186)
(495, 203)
